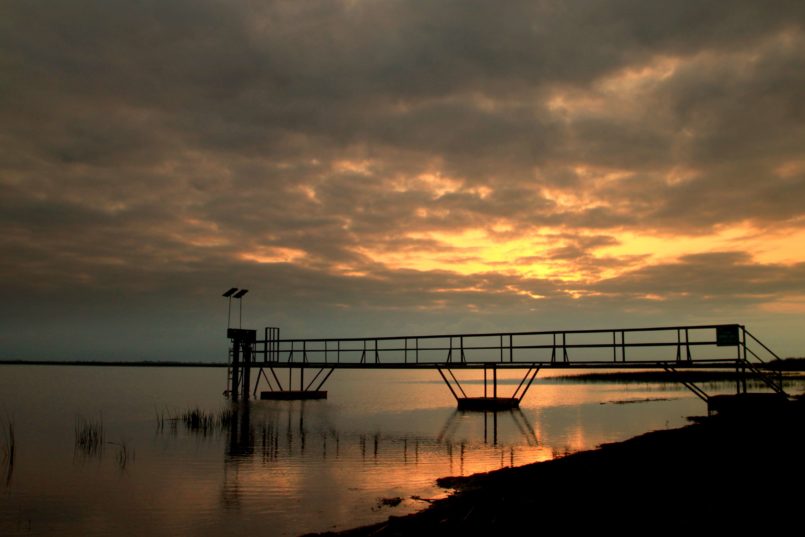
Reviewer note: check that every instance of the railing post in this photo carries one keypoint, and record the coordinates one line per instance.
(494, 382)
(614, 347)
(623, 346)
(678, 345)
(553, 349)
(688, 356)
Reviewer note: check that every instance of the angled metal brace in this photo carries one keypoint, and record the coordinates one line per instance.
(700, 393)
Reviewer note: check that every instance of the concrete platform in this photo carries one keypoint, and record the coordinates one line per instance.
(487, 403)
(293, 395)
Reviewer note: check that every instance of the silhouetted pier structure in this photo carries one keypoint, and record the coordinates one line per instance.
(673, 349)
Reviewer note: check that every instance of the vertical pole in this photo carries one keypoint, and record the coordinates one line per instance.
(494, 382)
(687, 345)
(511, 350)
(484, 383)
(247, 370)
(553, 349)
(614, 347)
(494, 428)
(501, 349)
(265, 345)
(235, 369)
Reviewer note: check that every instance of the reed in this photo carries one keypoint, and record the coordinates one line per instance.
(201, 421)
(124, 454)
(164, 416)
(9, 446)
(226, 417)
(89, 435)
(196, 419)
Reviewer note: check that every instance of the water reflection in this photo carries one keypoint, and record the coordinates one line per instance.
(281, 467)
(284, 444)
(280, 433)
(491, 429)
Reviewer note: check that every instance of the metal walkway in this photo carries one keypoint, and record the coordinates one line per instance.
(673, 349)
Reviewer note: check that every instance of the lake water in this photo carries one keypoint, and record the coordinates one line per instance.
(278, 467)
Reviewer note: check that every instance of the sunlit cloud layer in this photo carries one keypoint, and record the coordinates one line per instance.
(397, 165)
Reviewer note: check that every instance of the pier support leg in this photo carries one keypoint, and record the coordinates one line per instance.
(235, 382)
(247, 370)
(242, 341)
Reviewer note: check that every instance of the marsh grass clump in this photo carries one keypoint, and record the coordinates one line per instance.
(7, 450)
(201, 421)
(164, 417)
(226, 417)
(89, 435)
(196, 419)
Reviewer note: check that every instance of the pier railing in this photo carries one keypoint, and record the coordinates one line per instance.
(669, 348)
(688, 346)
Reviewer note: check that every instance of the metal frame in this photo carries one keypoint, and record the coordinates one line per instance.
(518, 350)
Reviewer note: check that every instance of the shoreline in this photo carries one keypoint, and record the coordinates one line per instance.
(718, 467)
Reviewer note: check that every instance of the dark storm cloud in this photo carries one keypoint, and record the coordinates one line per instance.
(148, 146)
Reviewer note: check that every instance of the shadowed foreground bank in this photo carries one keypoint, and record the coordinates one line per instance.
(721, 472)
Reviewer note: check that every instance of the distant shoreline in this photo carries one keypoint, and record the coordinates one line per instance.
(104, 363)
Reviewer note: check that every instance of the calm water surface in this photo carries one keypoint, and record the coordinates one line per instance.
(279, 467)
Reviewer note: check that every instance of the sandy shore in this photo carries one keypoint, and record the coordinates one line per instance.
(724, 472)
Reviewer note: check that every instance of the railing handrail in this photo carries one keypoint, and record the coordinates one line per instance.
(528, 333)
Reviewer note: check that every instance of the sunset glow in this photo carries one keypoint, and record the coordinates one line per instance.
(644, 172)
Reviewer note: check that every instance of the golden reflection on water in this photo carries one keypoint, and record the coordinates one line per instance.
(279, 467)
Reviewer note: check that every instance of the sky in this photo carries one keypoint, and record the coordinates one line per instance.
(383, 167)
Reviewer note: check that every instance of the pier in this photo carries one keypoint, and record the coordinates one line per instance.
(299, 368)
